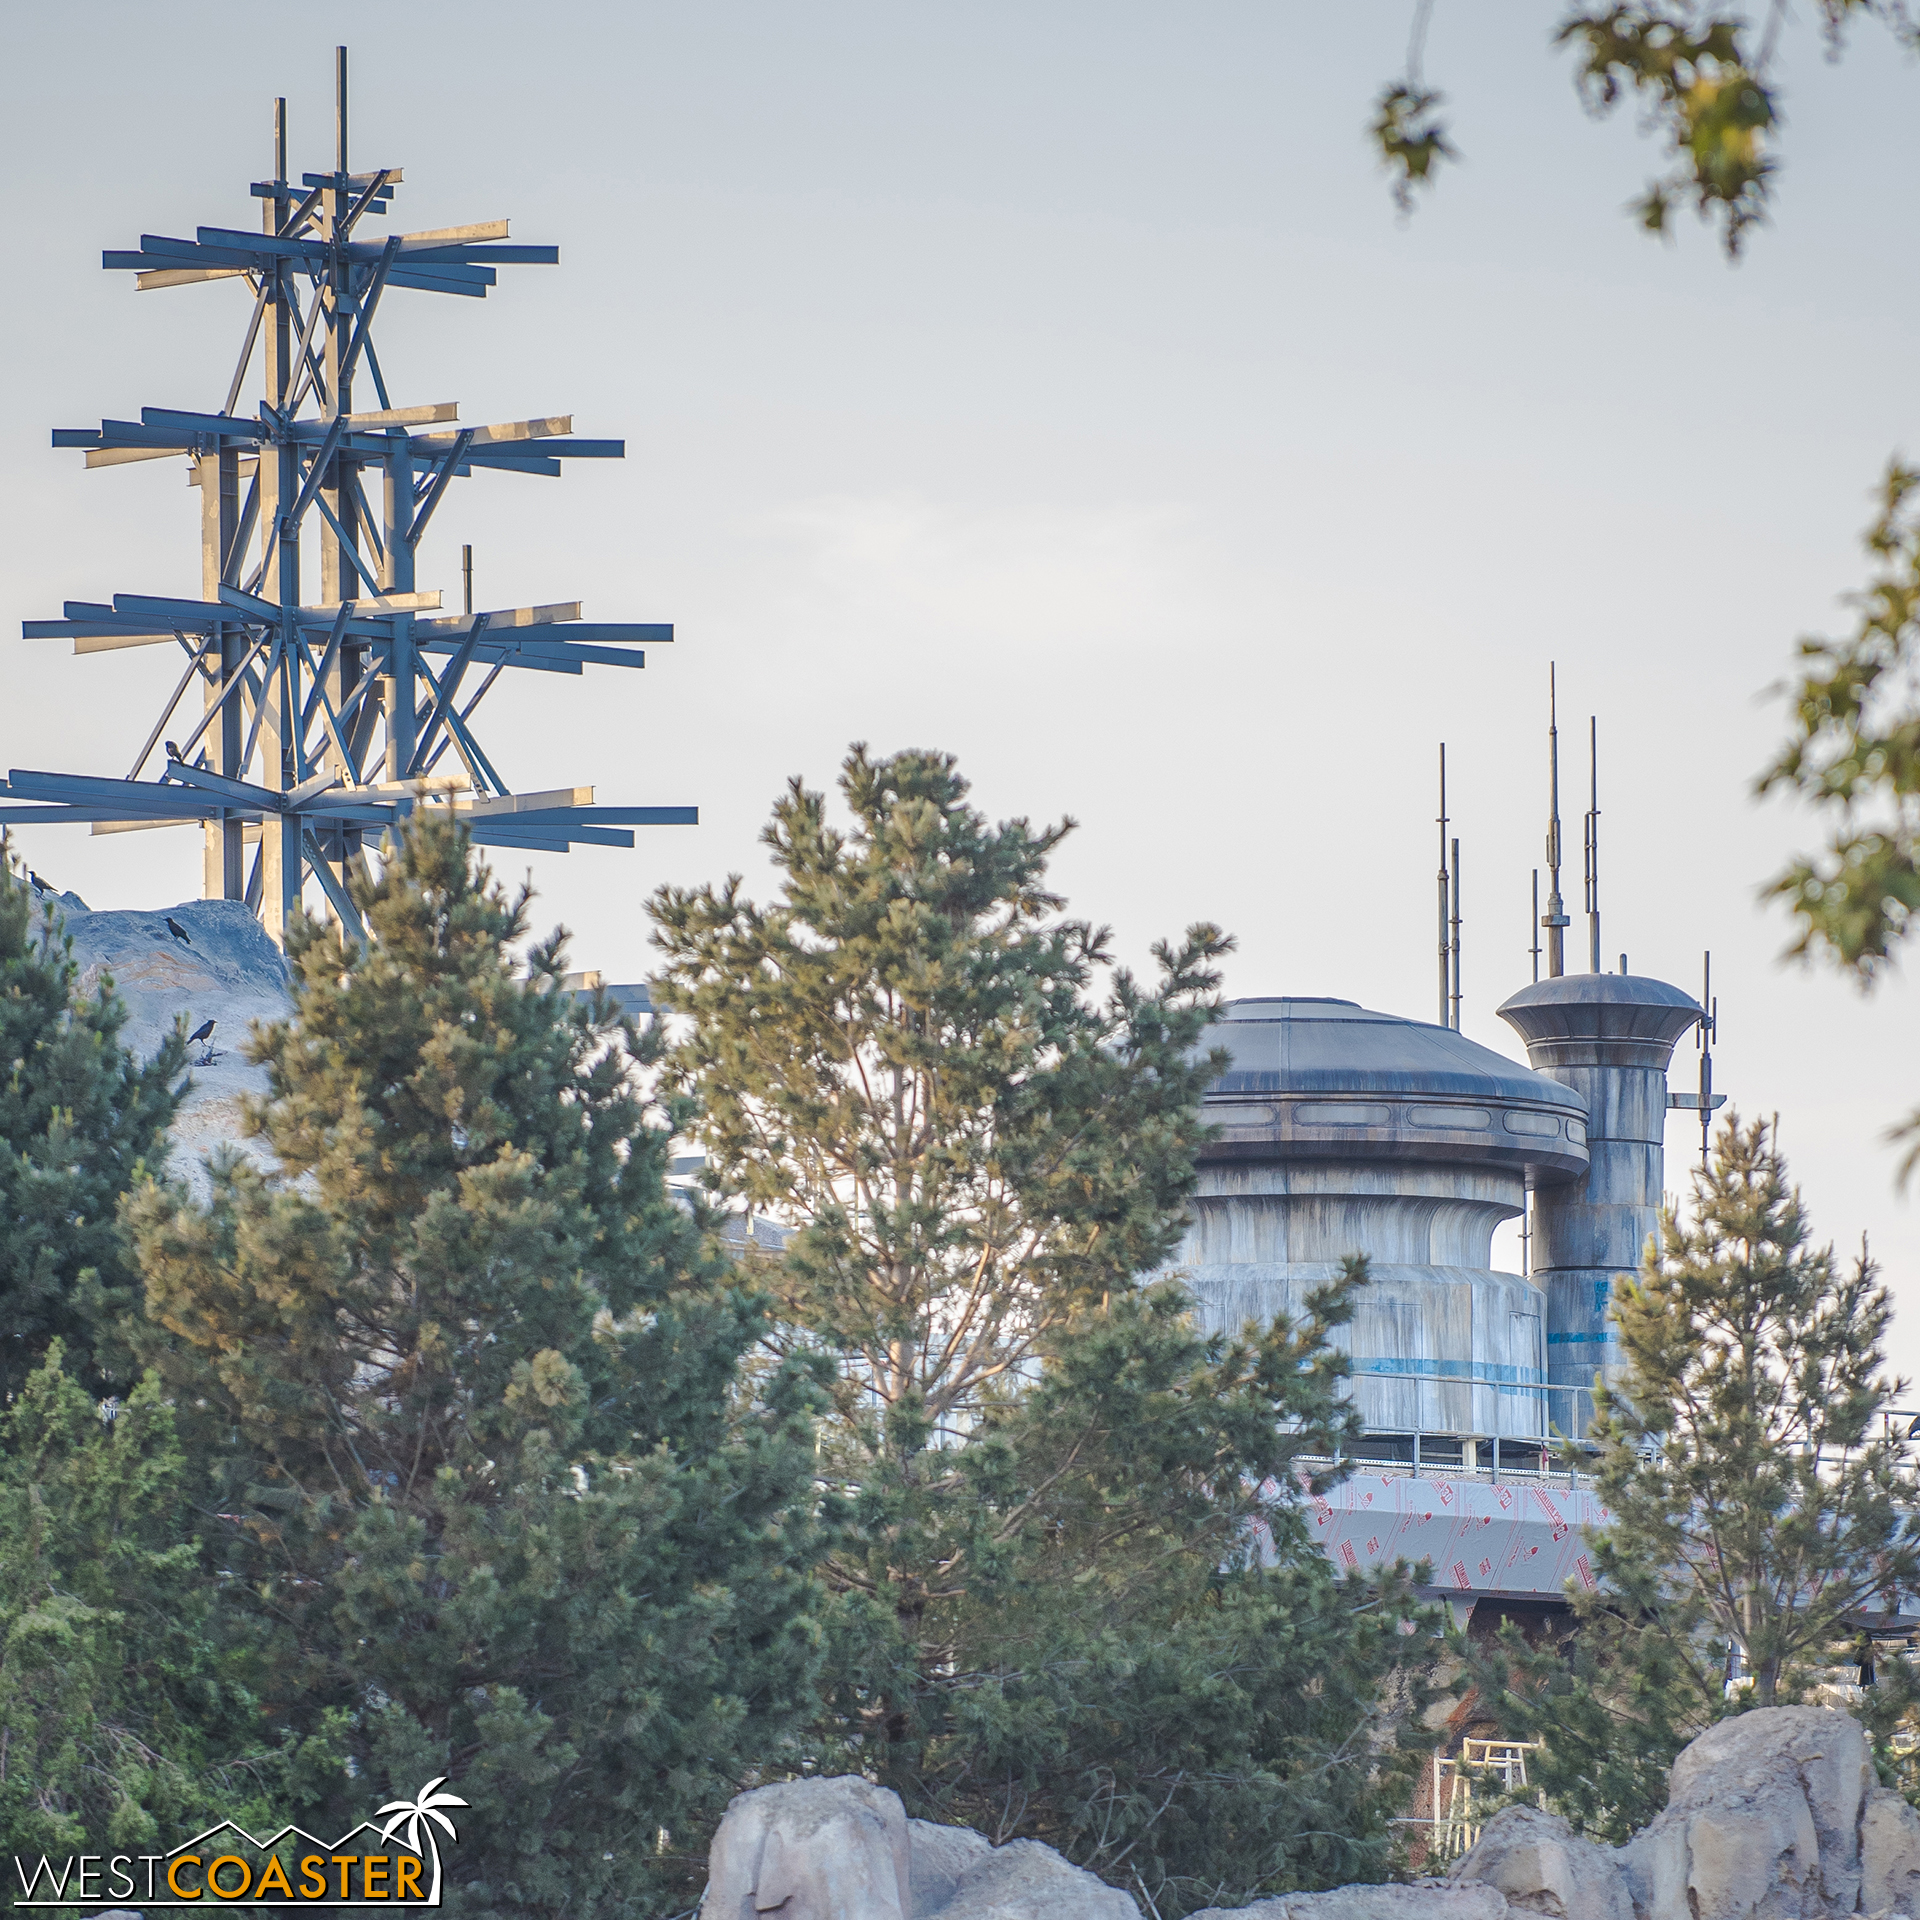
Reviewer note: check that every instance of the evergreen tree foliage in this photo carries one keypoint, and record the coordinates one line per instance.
(80, 1122)
(1050, 1619)
(469, 1386)
(1759, 1509)
(122, 1723)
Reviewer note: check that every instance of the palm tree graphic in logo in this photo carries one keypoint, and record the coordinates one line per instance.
(421, 1814)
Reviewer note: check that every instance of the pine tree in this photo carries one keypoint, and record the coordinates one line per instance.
(1758, 1505)
(124, 1720)
(80, 1123)
(469, 1384)
(1047, 1618)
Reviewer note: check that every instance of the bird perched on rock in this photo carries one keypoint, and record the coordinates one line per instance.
(179, 932)
(202, 1032)
(39, 885)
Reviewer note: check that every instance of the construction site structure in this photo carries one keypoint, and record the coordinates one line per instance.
(332, 699)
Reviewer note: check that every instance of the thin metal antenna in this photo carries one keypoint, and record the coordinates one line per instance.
(1443, 883)
(279, 143)
(340, 102)
(1455, 1023)
(1555, 918)
(1536, 923)
(1709, 1033)
(1593, 844)
(466, 579)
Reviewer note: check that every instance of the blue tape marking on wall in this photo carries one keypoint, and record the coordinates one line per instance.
(1457, 1370)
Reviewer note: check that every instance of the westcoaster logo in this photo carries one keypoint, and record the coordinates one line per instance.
(228, 1863)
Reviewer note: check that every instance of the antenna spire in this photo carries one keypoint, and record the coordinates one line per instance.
(340, 102)
(1536, 923)
(1455, 1021)
(1592, 875)
(1709, 1033)
(1555, 918)
(1444, 880)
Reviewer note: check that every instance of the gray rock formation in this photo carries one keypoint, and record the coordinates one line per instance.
(1774, 1814)
(940, 1858)
(1424, 1900)
(1762, 1819)
(1889, 1855)
(1540, 1865)
(811, 1850)
(843, 1849)
(225, 970)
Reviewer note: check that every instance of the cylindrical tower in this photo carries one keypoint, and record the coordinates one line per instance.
(1345, 1131)
(1610, 1038)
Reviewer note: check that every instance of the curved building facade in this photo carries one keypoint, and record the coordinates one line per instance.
(1609, 1037)
(1347, 1131)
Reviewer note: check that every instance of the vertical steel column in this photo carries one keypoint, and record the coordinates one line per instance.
(279, 871)
(397, 576)
(339, 577)
(223, 851)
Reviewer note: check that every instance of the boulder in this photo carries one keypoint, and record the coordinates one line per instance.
(940, 1859)
(1027, 1881)
(834, 1849)
(1889, 1855)
(843, 1849)
(1762, 1822)
(1424, 1900)
(1540, 1865)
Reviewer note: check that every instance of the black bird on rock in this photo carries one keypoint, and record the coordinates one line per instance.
(204, 1031)
(179, 932)
(39, 885)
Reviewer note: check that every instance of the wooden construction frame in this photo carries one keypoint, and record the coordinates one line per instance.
(323, 722)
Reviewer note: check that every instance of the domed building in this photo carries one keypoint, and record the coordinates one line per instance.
(1347, 1131)
(1341, 1131)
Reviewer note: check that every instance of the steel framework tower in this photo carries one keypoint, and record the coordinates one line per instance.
(322, 721)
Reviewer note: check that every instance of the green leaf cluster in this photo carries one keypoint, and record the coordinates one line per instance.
(468, 1387)
(1703, 76)
(1064, 1606)
(81, 1123)
(1761, 1515)
(1854, 754)
(1690, 68)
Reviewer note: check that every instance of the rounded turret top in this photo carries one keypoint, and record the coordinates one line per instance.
(1314, 1079)
(1600, 1019)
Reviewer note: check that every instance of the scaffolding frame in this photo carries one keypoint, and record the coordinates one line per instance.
(322, 722)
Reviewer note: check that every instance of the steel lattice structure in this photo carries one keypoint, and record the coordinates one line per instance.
(322, 722)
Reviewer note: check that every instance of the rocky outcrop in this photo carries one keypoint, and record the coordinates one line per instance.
(940, 1859)
(811, 1850)
(1775, 1814)
(204, 960)
(1766, 1817)
(1889, 1855)
(1423, 1900)
(1025, 1881)
(843, 1849)
(1538, 1864)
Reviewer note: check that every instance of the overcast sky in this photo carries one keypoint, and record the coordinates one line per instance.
(1055, 384)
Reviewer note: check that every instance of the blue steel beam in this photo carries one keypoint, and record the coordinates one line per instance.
(349, 650)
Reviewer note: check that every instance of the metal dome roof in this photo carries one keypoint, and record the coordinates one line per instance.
(1329, 1079)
